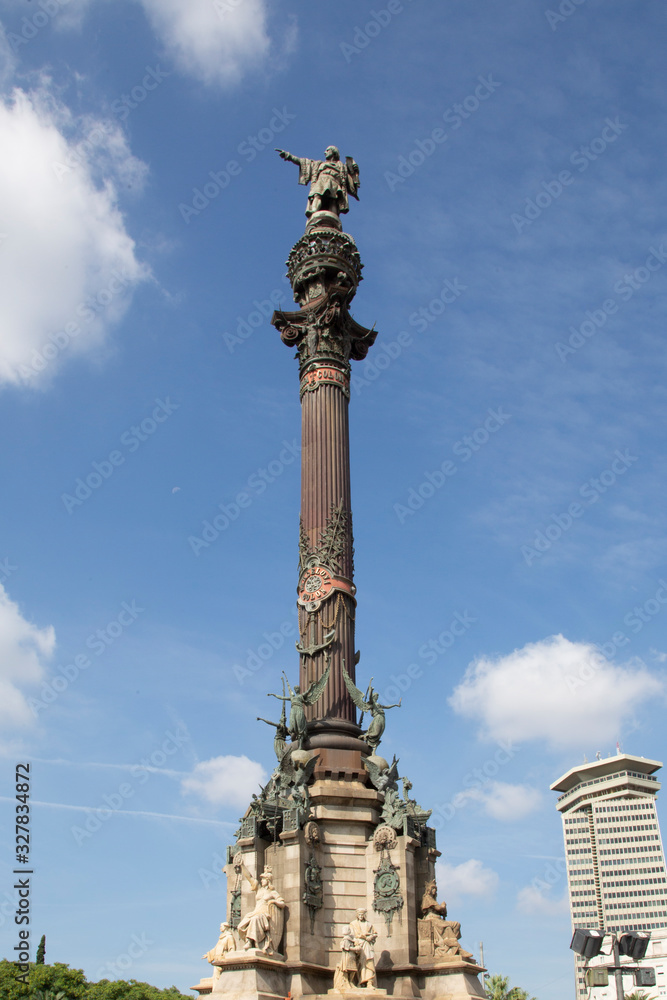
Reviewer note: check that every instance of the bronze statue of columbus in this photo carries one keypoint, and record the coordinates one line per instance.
(330, 180)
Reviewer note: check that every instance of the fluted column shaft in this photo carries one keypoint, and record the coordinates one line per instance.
(324, 269)
(325, 487)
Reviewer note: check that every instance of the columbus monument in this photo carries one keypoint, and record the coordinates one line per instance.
(331, 882)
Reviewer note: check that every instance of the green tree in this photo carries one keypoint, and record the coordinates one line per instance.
(9, 988)
(41, 951)
(118, 989)
(59, 982)
(497, 988)
(58, 978)
(638, 995)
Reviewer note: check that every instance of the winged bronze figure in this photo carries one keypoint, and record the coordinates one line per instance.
(382, 779)
(298, 700)
(295, 779)
(371, 704)
(279, 740)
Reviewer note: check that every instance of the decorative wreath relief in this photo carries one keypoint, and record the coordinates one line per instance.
(384, 838)
(311, 833)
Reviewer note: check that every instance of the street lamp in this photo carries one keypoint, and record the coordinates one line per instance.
(634, 944)
(588, 944)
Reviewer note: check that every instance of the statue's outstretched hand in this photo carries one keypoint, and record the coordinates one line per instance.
(287, 156)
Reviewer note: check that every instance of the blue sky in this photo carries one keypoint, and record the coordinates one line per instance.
(507, 436)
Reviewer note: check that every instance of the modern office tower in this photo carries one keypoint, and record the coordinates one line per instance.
(613, 849)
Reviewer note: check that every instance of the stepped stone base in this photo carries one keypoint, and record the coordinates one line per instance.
(248, 975)
(455, 980)
(255, 977)
(356, 994)
(345, 815)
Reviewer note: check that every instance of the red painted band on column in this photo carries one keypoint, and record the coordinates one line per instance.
(325, 376)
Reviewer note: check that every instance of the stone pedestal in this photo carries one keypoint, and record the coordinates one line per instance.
(204, 986)
(453, 980)
(357, 994)
(338, 843)
(246, 976)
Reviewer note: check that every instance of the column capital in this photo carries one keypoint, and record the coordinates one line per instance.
(324, 269)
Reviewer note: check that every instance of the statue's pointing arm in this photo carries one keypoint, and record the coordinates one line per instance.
(305, 165)
(284, 155)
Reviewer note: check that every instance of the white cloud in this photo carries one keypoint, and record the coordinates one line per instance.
(555, 690)
(213, 40)
(216, 41)
(24, 651)
(468, 879)
(503, 801)
(66, 256)
(534, 902)
(225, 781)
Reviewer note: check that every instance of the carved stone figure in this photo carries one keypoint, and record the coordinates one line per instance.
(298, 700)
(371, 704)
(438, 937)
(330, 180)
(262, 928)
(313, 891)
(311, 833)
(357, 963)
(226, 943)
(430, 905)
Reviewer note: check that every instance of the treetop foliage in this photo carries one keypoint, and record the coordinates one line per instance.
(45, 982)
(497, 988)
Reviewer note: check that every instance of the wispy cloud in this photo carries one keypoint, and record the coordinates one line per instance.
(471, 878)
(503, 801)
(130, 768)
(534, 902)
(138, 813)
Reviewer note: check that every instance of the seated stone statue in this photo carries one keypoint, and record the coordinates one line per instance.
(262, 928)
(357, 964)
(438, 937)
(226, 943)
